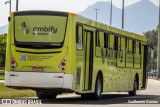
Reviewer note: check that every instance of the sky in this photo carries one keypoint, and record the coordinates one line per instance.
(56, 5)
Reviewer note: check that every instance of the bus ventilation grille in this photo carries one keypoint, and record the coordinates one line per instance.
(78, 77)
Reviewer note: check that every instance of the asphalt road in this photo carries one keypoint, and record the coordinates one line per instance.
(151, 95)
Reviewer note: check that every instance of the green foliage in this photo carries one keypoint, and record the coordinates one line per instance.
(2, 74)
(3, 40)
(13, 93)
(152, 40)
(152, 37)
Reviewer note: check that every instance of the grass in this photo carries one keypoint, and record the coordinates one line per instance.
(14, 93)
(1, 74)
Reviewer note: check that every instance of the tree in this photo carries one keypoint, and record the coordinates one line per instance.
(3, 39)
(152, 40)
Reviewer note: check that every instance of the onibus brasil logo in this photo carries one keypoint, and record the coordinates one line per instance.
(20, 101)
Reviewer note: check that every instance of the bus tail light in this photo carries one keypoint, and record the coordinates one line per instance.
(13, 63)
(62, 65)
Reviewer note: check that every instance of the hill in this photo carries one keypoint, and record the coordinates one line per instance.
(3, 29)
(139, 17)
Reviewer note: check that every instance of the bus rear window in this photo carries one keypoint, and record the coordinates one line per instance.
(40, 30)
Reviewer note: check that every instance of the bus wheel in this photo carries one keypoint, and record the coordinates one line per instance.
(133, 93)
(45, 95)
(98, 88)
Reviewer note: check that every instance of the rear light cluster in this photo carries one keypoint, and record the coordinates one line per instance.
(13, 63)
(62, 65)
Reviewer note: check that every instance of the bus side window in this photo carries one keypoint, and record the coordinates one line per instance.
(126, 44)
(116, 42)
(106, 41)
(97, 39)
(119, 44)
(130, 46)
(79, 37)
(139, 48)
(134, 46)
(101, 35)
(111, 43)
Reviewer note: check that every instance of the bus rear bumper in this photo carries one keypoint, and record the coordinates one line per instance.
(38, 80)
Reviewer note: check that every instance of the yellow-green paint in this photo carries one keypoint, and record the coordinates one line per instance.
(117, 75)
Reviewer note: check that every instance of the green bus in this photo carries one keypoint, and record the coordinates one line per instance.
(60, 52)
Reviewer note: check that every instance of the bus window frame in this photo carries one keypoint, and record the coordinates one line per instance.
(140, 48)
(106, 40)
(97, 38)
(133, 46)
(37, 45)
(116, 42)
(77, 35)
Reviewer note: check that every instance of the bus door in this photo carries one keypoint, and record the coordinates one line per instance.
(88, 62)
(84, 41)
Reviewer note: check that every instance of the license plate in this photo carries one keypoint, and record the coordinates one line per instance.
(37, 69)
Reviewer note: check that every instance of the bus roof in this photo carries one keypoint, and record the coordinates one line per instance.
(108, 28)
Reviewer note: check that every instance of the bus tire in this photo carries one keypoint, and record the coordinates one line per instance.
(135, 85)
(98, 91)
(45, 95)
(98, 88)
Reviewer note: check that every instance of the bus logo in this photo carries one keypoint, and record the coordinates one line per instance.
(44, 30)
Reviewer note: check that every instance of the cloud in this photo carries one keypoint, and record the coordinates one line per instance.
(4, 13)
